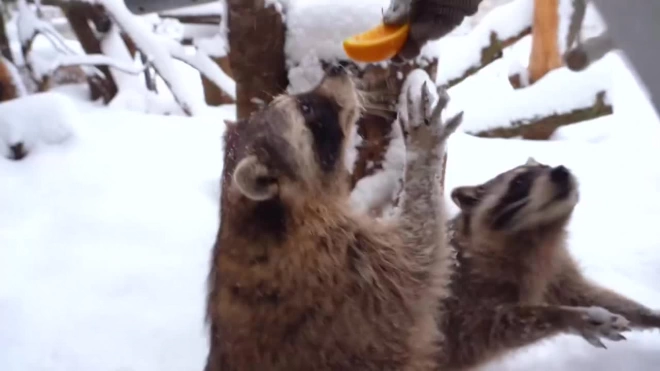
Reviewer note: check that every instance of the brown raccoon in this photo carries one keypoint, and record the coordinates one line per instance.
(515, 282)
(298, 280)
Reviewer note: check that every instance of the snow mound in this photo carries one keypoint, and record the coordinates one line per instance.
(34, 120)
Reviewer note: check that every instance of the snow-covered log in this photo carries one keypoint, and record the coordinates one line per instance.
(500, 28)
(542, 127)
(575, 97)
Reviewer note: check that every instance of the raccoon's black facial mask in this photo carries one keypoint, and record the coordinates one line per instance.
(514, 200)
(322, 119)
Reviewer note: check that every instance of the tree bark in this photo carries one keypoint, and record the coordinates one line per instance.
(545, 55)
(79, 15)
(5, 49)
(8, 89)
(256, 41)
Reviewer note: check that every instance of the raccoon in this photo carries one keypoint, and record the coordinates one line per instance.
(300, 281)
(515, 282)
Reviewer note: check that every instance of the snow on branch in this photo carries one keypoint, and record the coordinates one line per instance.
(48, 68)
(162, 51)
(205, 65)
(502, 27)
(29, 26)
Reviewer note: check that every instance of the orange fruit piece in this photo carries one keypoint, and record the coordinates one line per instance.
(378, 44)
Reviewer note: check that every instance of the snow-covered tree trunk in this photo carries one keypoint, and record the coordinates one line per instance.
(256, 53)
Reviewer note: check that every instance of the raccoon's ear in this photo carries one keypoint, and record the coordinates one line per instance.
(532, 162)
(465, 197)
(254, 180)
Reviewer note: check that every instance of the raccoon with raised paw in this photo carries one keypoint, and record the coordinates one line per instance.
(515, 282)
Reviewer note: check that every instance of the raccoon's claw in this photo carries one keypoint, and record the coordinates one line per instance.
(598, 323)
(423, 121)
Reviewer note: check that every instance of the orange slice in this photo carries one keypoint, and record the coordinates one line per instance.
(378, 44)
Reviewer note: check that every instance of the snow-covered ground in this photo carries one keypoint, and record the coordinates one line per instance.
(105, 232)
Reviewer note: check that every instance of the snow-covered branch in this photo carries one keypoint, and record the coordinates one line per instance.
(205, 65)
(29, 26)
(501, 28)
(48, 68)
(163, 52)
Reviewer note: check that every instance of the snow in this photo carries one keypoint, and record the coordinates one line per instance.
(373, 192)
(22, 122)
(106, 226)
(459, 54)
(560, 91)
(150, 44)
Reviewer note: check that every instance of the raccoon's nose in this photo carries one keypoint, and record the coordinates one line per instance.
(336, 69)
(560, 175)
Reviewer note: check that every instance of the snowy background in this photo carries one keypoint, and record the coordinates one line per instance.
(106, 227)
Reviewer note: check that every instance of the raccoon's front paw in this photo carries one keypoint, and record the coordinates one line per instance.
(595, 323)
(426, 131)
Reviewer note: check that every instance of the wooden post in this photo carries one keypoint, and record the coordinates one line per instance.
(545, 55)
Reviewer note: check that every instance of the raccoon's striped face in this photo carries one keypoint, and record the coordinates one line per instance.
(528, 196)
(297, 143)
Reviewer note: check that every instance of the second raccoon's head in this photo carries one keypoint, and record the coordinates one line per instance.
(294, 148)
(525, 198)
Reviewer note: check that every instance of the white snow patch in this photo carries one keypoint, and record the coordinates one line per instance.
(305, 75)
(215, 46)
(459, 54)
(35, 120)
(355, 141)
(379, 189)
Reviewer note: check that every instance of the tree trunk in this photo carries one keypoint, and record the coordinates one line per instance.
(5, 49)
(256, 41)
(545, 55)
(8, 89)
(79, 15)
